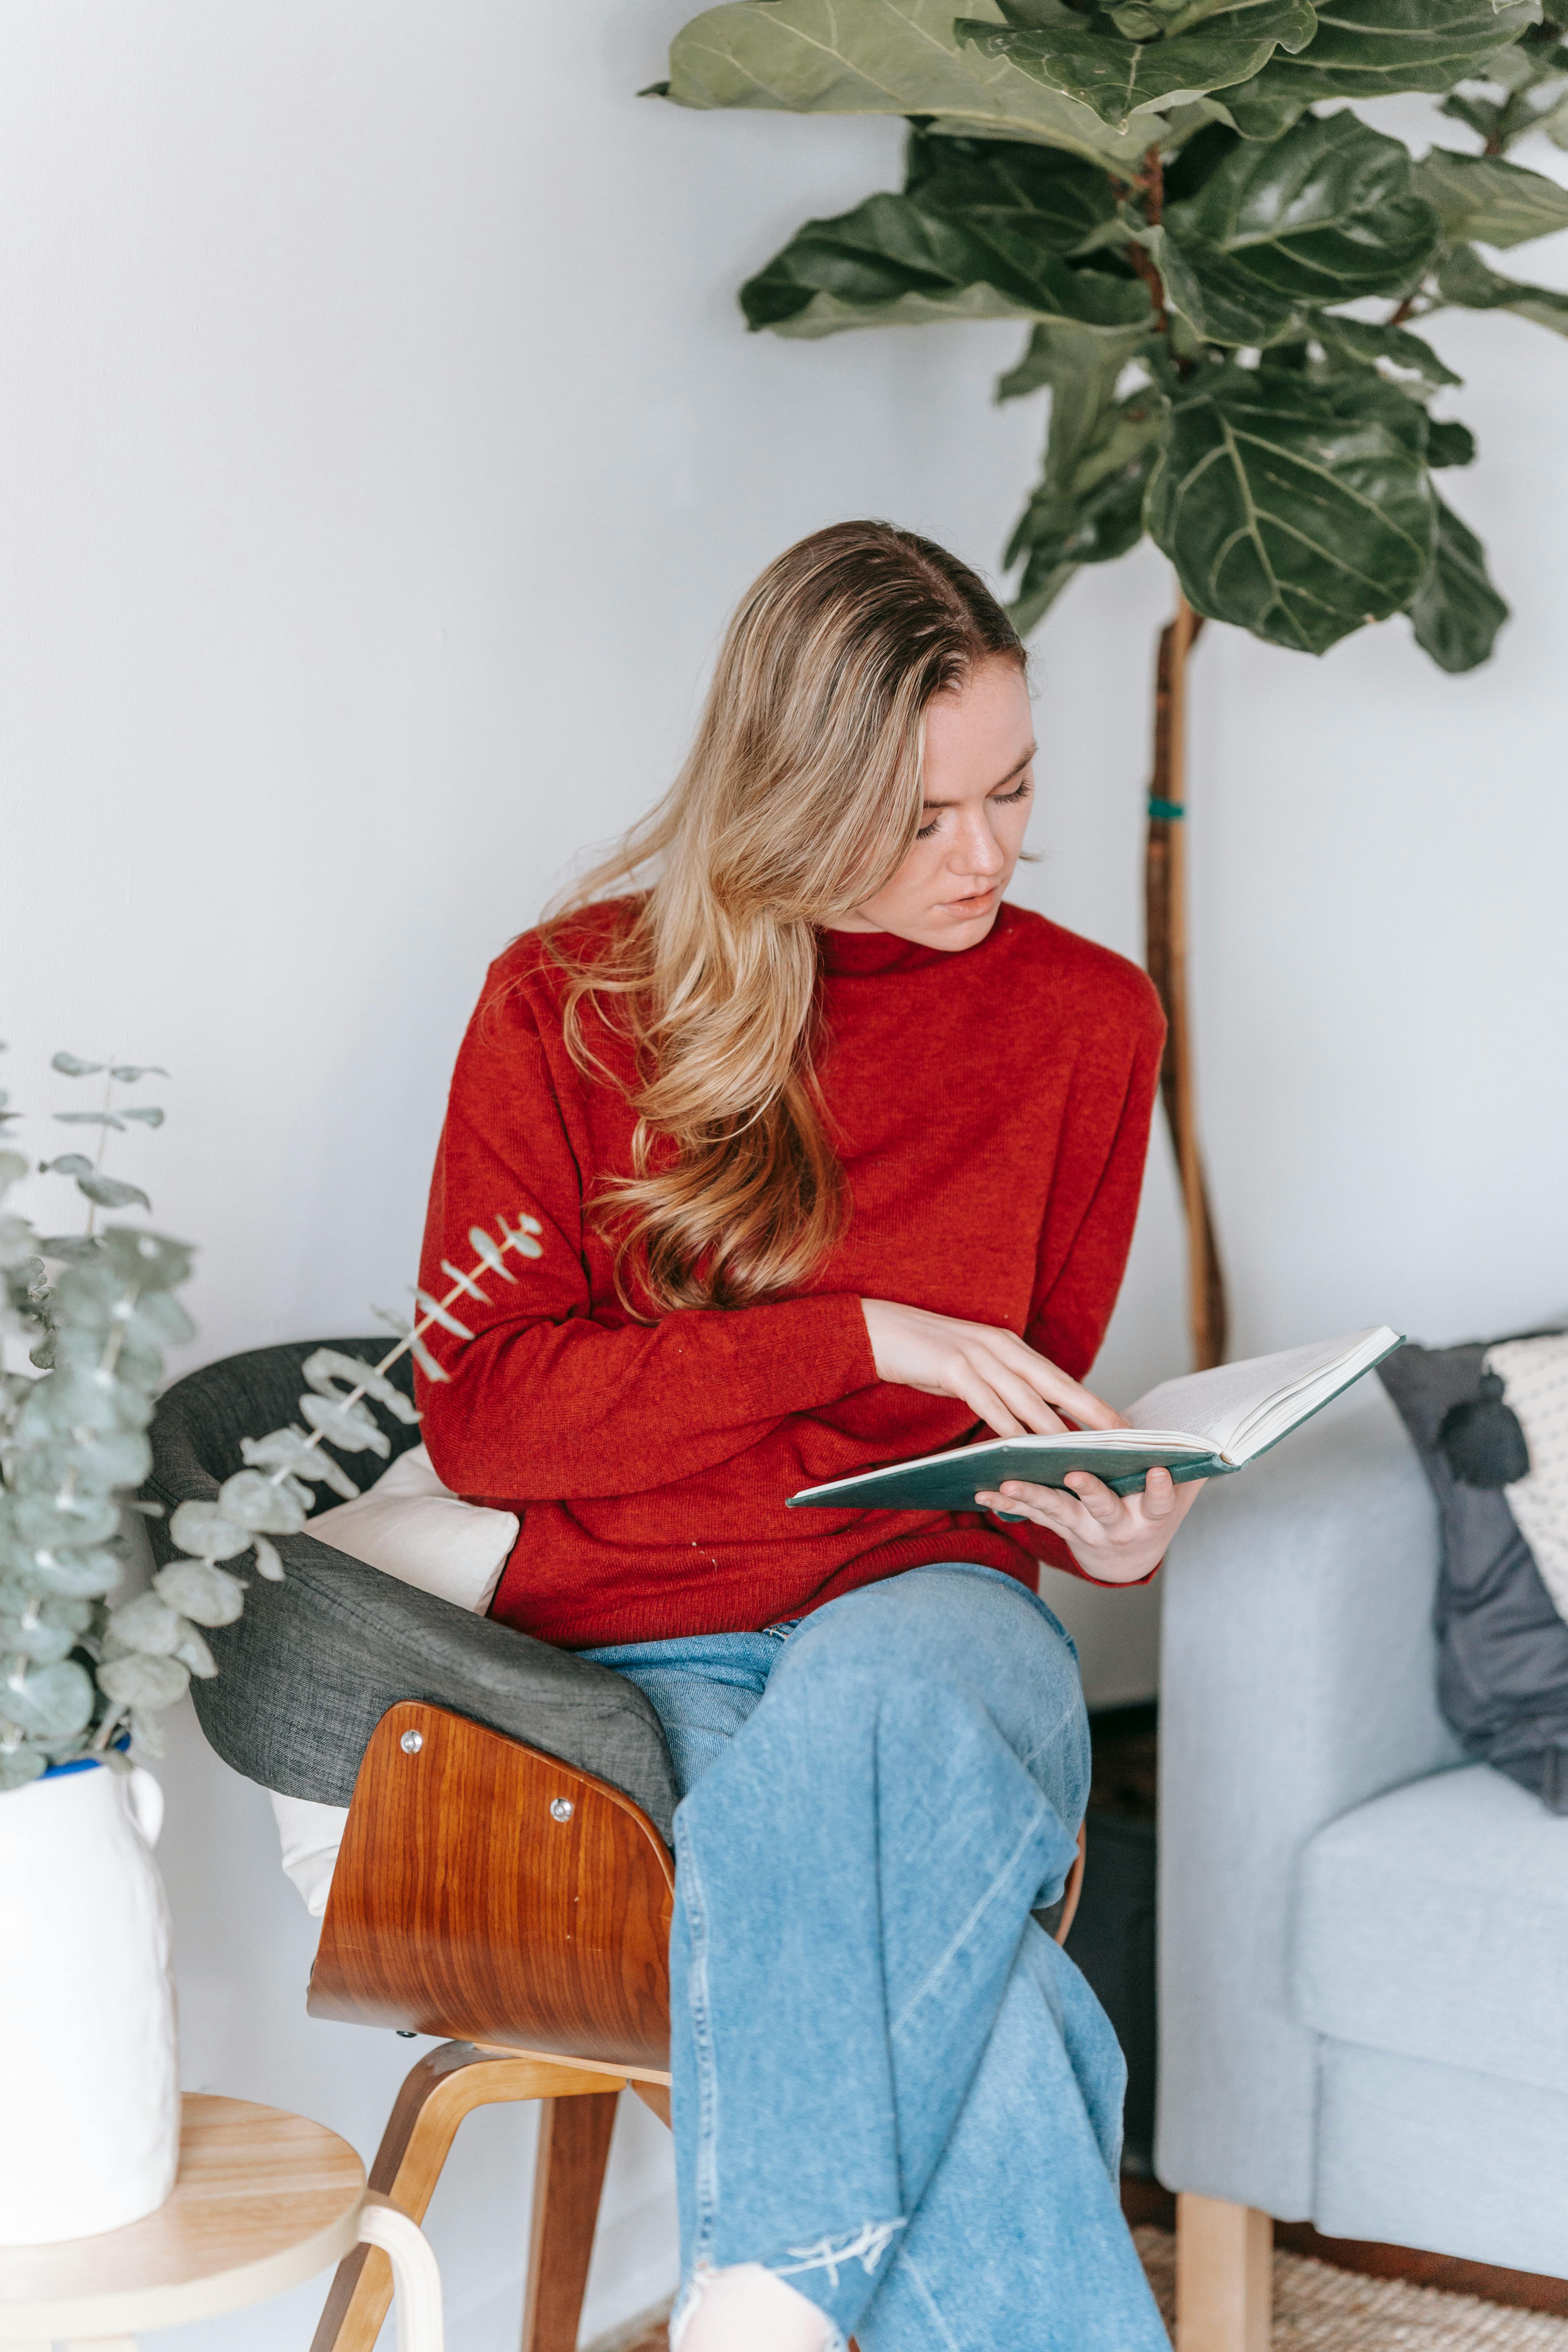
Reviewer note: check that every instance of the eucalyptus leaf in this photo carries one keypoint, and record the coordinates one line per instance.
(268, 1560)
(1456, 613)
(1323, 215)
(192, 1653)
(206, 1595)
(18, 1765)
(327, 1366)
(1294, 511)
(84, 1575)
(64, 1520)
(130, 1073)
(50, 1702)
(43, 1627)
(143, 1681)
(70, 1163)
(148, 1113)
(112, 1191)
(71, 1065)
(202, 1529)
(291, 1451)
(1086, 57)
(262, 1504)
(884, 57)
(90, 1118)
(1484, 198)
(152, 1261)
(69, 1249)
(349, 1426)
(147, 1623)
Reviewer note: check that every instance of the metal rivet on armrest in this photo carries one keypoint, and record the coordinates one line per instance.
(560, 1809)
(412, 1742)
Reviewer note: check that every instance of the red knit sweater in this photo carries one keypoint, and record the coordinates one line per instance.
(992, 1112)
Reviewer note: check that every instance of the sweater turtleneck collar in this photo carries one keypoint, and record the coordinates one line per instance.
(863, 955)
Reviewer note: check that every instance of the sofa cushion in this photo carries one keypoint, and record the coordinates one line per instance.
(1433, 1922)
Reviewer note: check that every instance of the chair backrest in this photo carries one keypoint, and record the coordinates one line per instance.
(308, 1672)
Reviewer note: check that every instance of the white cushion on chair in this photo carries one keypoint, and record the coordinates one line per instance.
(412, 1526)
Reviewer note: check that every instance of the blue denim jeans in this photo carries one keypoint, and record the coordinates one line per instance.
(889, 2086)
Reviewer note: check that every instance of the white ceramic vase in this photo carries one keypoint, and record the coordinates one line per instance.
(91, 2098)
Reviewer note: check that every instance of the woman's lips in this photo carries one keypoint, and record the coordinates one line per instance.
(975, 904)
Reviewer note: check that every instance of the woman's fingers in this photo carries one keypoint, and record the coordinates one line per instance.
(1057, 1387)
(1159, 1495)
(1097, 1500)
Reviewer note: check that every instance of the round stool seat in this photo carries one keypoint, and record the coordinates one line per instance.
(263, 2201)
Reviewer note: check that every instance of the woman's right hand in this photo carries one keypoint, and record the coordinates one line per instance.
(1002, 1380)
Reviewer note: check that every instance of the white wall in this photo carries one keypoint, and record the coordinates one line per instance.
(380, 450)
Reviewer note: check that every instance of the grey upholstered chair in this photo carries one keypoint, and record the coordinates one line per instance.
(504, 1878)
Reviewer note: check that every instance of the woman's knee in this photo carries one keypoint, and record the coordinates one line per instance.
(979, 1639)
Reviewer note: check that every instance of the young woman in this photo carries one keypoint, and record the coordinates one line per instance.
(836, 1157)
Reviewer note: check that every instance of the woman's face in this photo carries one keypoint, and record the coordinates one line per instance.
(979, 782)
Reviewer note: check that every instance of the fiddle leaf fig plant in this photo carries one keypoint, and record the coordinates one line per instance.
(78, 1678)
(1227, 275)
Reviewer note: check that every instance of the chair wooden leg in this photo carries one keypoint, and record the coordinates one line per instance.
(1223, 2276)
(446, 2085)
(569, 2173)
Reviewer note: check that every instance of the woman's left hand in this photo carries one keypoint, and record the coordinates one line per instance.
(1115, 1538)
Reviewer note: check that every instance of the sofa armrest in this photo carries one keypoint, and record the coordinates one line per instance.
(1297, 1679)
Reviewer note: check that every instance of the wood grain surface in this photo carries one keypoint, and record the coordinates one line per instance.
(263, 2200)
(487, 1892)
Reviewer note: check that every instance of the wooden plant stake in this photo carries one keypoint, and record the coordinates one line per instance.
(1165, 934)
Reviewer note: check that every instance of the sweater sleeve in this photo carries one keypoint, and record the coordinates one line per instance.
(1089, 1217)
(548, 1401)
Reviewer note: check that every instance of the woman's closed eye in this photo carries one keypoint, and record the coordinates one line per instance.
(1020, 792)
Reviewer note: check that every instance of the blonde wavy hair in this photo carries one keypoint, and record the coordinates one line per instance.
(799, 799)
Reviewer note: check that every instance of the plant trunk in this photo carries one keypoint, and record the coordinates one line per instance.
(1166, 933)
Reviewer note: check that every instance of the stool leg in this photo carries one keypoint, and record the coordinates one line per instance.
(446, 2085)
(1223, 2276)
(569, 2173)
(416, 2281)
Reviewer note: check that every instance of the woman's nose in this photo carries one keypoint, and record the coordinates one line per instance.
(977, 849)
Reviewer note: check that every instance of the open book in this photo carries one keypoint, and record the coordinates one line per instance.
(1199, 1426)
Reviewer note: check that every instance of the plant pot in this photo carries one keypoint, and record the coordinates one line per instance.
(91, 2138)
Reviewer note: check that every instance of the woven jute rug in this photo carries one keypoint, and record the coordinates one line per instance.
(1320, 2309)
(1316, 2309)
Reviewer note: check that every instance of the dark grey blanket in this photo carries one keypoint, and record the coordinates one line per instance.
(1503, 1649)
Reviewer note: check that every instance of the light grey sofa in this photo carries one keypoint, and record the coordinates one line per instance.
(1363, 1939)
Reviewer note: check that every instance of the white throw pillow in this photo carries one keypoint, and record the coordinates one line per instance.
(1534, 1374)
(411, 1527)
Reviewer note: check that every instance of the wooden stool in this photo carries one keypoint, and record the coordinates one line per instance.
(263, 2200)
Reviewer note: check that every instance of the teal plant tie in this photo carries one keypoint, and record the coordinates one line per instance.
(1168, 812)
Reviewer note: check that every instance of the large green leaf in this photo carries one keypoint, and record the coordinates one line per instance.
(1087, 58)
(1363, 342)
(1079, 513)
(1324, 214)
(899, 261)
(875, 56)
(1088, 508)
(1370, 48)
(1296, 510)
(1482, 196)
(1467, 281)
(1456, 613)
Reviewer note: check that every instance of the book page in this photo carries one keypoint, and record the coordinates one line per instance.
(1215, 1405)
